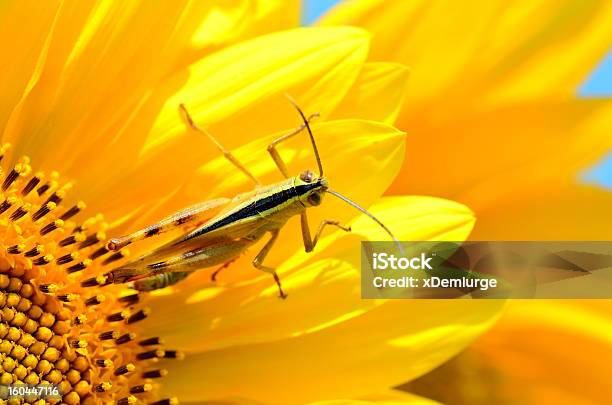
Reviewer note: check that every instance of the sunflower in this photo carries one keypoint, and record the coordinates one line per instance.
(492, 99)
(555, 360)
(93, 147)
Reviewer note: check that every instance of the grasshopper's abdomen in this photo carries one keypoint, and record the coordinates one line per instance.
(186, 261)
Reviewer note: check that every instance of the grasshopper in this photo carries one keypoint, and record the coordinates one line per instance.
(218, 239)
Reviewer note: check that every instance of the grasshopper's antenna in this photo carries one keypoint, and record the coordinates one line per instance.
(314, 144)
(360, 208)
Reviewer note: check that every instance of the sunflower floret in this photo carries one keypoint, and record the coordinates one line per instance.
(61, 323)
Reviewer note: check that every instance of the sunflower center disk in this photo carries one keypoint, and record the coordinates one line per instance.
(61, 323)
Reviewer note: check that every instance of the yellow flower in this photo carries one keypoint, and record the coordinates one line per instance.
(492, 102)
(552, 358)
(558, 359)
(92, 93)
(492, 98)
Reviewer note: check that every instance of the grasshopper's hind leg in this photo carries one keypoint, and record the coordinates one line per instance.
(184, 218)
(226, 153)
(257, 262)
(178, 262)
(213, 276)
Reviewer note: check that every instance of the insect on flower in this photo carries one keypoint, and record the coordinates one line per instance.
(240, 223)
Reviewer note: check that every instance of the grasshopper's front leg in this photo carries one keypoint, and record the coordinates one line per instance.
(257, 262)
(309, 243)
(226, 153)
(280, 164)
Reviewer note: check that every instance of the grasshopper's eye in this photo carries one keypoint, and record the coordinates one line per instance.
(314, 199)
(307, 176)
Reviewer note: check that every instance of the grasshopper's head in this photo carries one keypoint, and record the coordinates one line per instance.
(310, 188)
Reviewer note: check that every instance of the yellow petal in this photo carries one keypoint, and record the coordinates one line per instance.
(393, 397)
(367, 341)
(273, 16)
(462, 52)
(101, 63)
(385, 346)
(228, 23)
(226, 401)
(390, 397)
(480, 154)
(377, 94)
(548, 212)
(316, 66)
(241, 89)
(557, 351)
(482, 157)
(20, 24)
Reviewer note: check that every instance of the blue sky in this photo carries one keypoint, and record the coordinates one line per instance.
(312, 9)
(599, 84)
